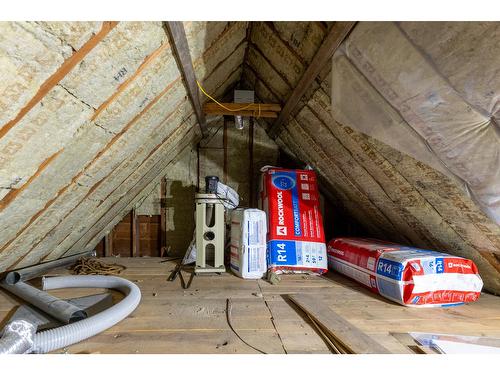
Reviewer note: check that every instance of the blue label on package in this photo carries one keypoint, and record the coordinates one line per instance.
(284, 181)
(439, 265)
(287, 181)
(389, 268)
(282, 253)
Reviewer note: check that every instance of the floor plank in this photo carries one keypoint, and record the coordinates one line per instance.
(172, 320)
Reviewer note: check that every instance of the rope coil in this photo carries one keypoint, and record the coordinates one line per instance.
(91, 266)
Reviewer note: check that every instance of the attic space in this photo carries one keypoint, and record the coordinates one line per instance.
(249, 187)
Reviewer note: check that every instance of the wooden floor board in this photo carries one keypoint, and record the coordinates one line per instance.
(172, 320)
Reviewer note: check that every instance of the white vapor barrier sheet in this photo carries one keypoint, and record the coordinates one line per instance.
(408, 88)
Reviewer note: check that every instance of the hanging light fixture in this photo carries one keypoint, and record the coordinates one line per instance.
(238, 122)
(244, 97)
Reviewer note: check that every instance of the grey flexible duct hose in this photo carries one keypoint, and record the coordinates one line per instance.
(70, 334)
(55, 307)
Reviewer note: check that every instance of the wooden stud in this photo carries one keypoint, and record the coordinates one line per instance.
(163, 215)
(108, 244)
(332, 41)
(135, 233)
(224, 146)
(251, 160)
(180, 48)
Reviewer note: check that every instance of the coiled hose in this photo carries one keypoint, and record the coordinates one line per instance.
(70, 334)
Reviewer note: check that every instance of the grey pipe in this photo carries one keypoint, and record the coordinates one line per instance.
(31, 272)
(17, 337)
(59, 309)
(70, 334)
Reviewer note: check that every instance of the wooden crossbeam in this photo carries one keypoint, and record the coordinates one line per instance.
(248, 106)
(180, 47)
(250, 109)
(338, 32)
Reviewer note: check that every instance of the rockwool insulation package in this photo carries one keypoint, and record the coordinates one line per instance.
(295, 237)
(248, 243)
(404, 274)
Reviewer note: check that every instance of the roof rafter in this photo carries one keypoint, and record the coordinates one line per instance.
(180, 47)
(338, 32)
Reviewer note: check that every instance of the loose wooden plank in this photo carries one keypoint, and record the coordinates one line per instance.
(332, 41)
(339, 328)
(180, 47)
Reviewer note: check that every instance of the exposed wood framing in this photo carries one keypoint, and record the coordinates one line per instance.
(332, 41)
(180, 48)
(224, 146)
(163, 215)
(135, 233)
(237, 109)
(108, 244)
(250, 161)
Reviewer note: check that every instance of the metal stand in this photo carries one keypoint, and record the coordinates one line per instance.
(209, 234)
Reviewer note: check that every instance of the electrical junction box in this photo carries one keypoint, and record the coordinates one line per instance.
(244, 96)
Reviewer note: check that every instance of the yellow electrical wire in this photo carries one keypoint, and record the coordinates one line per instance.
(222, 105)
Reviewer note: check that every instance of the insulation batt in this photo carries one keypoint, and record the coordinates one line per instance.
(248, 243)
(295, 237)
(406, 275)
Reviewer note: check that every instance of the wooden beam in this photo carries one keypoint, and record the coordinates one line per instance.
(249, 110)
(180, 48)
(274, 107)
(251, 184)
(223, 112)
(108, 243)
(338, 32)
(345, 335)
(163, 215)
(135, 233)
(224, 146)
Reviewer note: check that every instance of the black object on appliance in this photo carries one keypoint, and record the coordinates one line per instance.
(211, 184)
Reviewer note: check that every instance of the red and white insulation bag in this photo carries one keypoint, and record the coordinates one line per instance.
(406, 275)
(295, 237)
